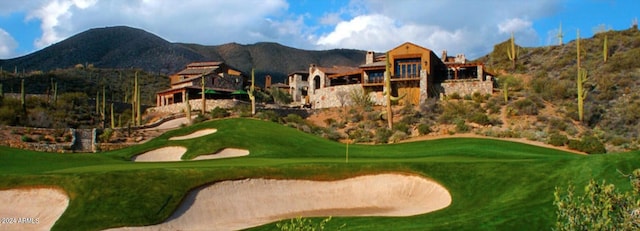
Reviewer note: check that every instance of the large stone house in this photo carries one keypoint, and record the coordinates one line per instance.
(220, 82)
(416, 74)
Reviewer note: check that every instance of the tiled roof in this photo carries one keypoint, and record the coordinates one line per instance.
(337, 69)
(196, 71)
(375, 64)
(203, 64)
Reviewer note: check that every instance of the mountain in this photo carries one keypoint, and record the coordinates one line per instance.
(126, 47)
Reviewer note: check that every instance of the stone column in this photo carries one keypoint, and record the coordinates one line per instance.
(424, 94)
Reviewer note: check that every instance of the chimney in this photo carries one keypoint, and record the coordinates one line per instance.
(369, 57)
(267, 82)
(444, 56)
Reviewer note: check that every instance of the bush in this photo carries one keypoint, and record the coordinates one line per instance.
(360, 135)
(219, 112)
(455, 95)
(589, 144)
(402, 127)
(332, 134)
(557, 139)
(269, 116)
(26, 138)
(382, 135)
(480, 118)
(461, 126)
(106, 135)
(397, 136)
(424, 129)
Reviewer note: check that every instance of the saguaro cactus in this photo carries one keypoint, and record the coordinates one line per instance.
(581, 80)
(113, 121)
(138, 99)
(204, 102)
(560, 35)
(512, 52)
(22, 95)
(188, 109)
(605, 50)
(252, 97)
(387, 92)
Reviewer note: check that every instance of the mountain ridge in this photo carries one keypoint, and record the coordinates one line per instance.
(128, 47)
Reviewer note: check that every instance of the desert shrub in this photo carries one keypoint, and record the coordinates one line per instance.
(280, 96)
(557, 123)
(219, 112)
(401, 126)
(359, 135)
(479, 118)
(557, 139)
(199, 118)
(359, 97)
(330, 122)
(294, 118)
(373, 115)
(26, 138)
(529, 135)
(331, 134)
(467, 97)
(525, 107)
(382, 135)
(618, 140)
(588, 144)
(268, 115)
(303, 224)
(478, 98)
(493, 105)
(424, 129)
(454, 110)
(461, 125)
(356, 117)
(601, 207)
(398, 136)
(106, 135)
(243, 110)
(454, 95)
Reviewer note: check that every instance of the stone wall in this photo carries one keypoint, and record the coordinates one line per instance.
(467, 87)
(196, 104)
(338, 96)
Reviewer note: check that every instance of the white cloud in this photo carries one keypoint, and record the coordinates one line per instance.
(7, 44)
(514, 25)
(54, 17)
(472, 27)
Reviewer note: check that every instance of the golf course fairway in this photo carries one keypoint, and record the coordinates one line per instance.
(491, 184)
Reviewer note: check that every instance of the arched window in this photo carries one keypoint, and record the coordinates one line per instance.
(316, 82)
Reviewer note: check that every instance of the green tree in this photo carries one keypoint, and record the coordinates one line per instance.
(601, 207)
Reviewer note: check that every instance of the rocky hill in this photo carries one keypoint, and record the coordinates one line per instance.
(126, 47)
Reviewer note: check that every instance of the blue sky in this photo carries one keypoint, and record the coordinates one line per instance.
(461, 26)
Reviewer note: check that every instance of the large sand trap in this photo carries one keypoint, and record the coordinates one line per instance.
(171, 153)
(224, 153)
(31, 208)
(174, 153)
(233, 205)
(195, 134)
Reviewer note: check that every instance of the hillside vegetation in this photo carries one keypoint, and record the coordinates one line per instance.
(548, 75)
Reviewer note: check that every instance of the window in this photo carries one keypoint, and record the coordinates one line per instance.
(407, 68)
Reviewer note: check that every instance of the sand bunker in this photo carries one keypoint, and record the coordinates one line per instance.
(224, 153)
(233, 205)
(172, 153)
(196, 134)
(31, 208)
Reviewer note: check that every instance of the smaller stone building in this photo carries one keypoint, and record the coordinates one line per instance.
(220, 81)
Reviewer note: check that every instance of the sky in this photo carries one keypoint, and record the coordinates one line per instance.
(471, 27)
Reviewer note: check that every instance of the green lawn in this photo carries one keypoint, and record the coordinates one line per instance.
(494, 184)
